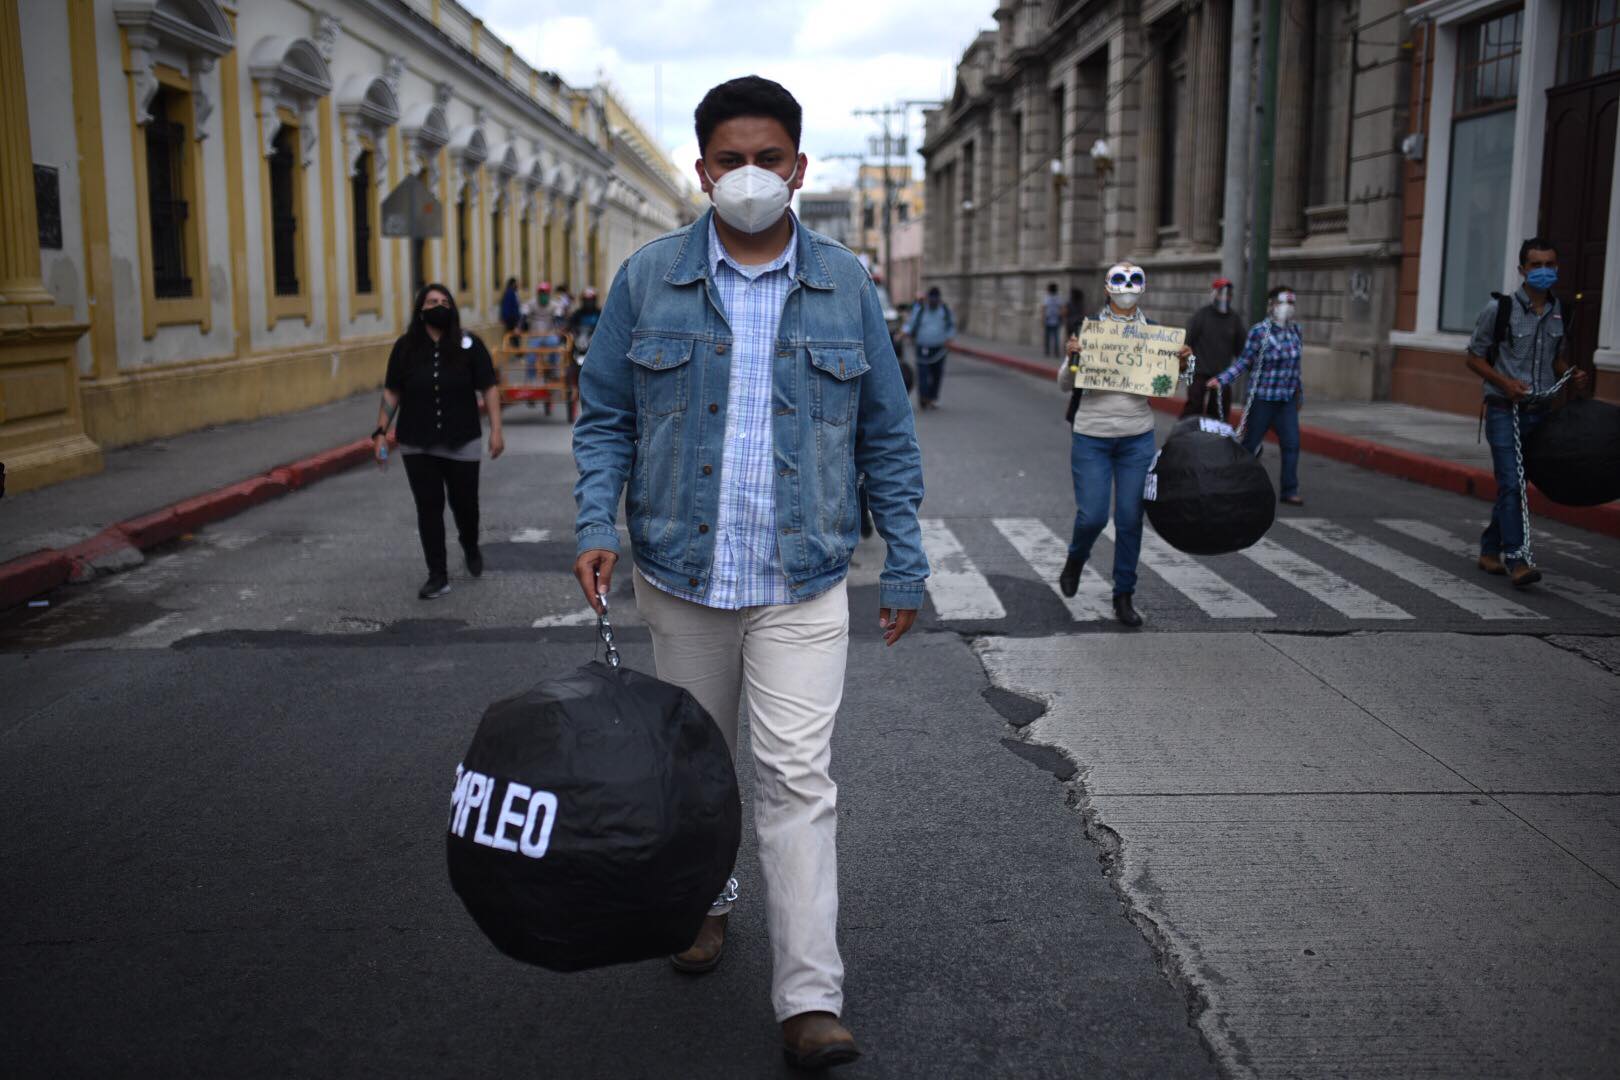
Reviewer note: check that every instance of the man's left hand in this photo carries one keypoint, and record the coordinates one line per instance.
(895, 623)
(1184, 352)
(1578, 380)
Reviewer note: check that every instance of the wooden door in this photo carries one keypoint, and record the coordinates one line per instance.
(1577, 174)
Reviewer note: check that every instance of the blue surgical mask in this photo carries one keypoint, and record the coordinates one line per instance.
(1542, 277)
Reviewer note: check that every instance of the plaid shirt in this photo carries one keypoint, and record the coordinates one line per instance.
(747, 567)
(1274, 351)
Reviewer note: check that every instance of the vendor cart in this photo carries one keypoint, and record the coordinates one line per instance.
(539, 368)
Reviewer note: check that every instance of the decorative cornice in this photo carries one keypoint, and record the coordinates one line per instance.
(196, 42)
(366, 106)
(290, 74)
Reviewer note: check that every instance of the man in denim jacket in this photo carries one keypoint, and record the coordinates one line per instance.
(741, 375)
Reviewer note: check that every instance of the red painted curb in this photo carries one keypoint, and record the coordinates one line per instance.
(24, 578)
(1392, 461)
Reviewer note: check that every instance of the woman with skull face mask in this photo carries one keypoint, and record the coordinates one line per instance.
(436, 374)
(1275, 390)
(1111, 449)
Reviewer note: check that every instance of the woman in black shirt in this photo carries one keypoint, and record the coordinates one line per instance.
(435, 375)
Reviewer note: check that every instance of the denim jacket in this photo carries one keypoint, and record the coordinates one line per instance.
(654, 391)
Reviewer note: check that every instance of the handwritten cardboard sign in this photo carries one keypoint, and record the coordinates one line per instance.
(1130, 357)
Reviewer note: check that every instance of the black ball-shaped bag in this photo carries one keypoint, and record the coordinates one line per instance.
(595, 818)
(1573, 455)
(1206, 494)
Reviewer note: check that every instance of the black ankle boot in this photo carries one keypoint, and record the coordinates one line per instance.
(1124, 611)
(1069, 579)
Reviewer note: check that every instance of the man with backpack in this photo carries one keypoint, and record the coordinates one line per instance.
(1517, 349)
(930, 328)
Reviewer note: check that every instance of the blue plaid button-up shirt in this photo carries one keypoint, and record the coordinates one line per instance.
(747, 566)
(1274, 351)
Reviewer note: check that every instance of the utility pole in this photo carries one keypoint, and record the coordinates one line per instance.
(1239, 109)
(887, 113)
(1261, 261)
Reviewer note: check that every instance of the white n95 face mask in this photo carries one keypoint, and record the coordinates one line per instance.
(751, 199)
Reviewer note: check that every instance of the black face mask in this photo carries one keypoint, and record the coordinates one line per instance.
(439, 318)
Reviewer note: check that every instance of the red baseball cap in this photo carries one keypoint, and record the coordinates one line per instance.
(1222, 283)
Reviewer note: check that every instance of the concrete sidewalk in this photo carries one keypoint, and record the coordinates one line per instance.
(1426, 446)
(157, 491)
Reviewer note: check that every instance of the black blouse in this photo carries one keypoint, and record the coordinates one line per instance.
(435, 382)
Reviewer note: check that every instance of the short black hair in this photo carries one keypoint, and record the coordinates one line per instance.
(1278, 290)
(1535, 243)
(1051, 286)
(747, 96)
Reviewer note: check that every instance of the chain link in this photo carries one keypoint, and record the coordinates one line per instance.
(604, 630)
(1522, 554)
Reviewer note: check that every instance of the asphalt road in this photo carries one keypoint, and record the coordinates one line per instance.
(1342, 807)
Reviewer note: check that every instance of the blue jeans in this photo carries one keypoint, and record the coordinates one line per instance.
(1099, 464)
(1506, 530)
(1284, 417)
(1054, 340)
(930, 372)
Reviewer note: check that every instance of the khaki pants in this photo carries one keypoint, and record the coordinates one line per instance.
(791, 659)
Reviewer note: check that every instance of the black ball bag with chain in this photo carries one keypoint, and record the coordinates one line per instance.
(1206, 495)
(594, 820)
(1573, 455)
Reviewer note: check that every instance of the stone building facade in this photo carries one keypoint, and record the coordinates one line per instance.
(193, 190)
(1016, 197)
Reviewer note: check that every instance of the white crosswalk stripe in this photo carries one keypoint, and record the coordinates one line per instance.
(1574, 590)
(1218, 598)
(1045, 552)
(1345, 597)
(955, 585)
(1431, 579)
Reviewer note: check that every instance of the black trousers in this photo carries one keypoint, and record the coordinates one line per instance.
(1202, 401)
(432, 478)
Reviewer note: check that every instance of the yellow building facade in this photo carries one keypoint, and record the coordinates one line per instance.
(192, 230)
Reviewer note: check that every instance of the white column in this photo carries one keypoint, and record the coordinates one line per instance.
(1538, 67)
(1607, 355)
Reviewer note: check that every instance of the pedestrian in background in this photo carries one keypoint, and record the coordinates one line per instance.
(436, 373)
(1216, 335)
(1110, 451)
(931, 329)
(692, 327)
(1273, 350)
(1519, 353)
(1052, 319)
(511, 309)
(1074, 313)
(562, 305)
(537, 312)
(582, 322)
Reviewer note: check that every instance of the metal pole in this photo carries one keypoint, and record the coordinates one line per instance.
(1261, 261)
(888, 205)
(1239, 107)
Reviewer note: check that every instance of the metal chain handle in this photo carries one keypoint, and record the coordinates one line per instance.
(604, 630)
(1522, 554)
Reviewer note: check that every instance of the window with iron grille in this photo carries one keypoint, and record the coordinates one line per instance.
(284, 210)
(524, 226)
(463, 222)
(495, 249)
(361, 187)
(167, 207)
(1589, 40)
(1487, 94)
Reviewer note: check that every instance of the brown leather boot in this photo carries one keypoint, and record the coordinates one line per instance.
(816, 1040)
(705, 953)
(1524, 575)
(1492, 564)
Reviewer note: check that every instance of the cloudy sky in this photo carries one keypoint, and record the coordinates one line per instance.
(834, 55)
